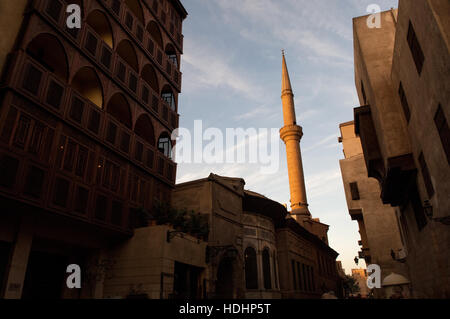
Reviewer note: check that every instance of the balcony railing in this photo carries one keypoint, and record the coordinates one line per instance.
(89, 41)
(138, 31)
(41, 86)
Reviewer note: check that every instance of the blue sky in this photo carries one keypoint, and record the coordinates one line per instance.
(232, 78)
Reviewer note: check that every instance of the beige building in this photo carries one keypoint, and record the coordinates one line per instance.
(255, 249)
(402, 75)
(378, 223)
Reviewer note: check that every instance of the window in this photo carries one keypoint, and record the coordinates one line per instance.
(354, 191)
(426, 176)
(266, 269)
(300, 286)
(417, 207)
(416, 50)
(251, 269)
(294, 275)
(173, 58)
(444, 131)
(8, 171)
(169, 99)
(164, 145)
(404, 102)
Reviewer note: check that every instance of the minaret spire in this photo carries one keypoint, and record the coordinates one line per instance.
(291, 135)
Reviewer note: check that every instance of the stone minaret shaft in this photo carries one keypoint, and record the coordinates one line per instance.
(291, 135)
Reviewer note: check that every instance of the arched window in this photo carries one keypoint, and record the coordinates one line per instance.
(126, 51)
(172, 54)
(49, 52)
(165, 144)
(155, 33)
(86, 82)
(119, 108)
(266, 269)
(168, 96)
(99, 22)
(144, 129)
(149, 75)
(136, 8)
(251, 269)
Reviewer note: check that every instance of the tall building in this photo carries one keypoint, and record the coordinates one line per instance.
(85, 122)
(378, 223)
(291, 134)
(402, 72)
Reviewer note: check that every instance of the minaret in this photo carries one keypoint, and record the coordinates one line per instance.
(291, 135)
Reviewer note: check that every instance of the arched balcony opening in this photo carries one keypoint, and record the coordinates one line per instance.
(100, 23)
(165, 144)
(50, 53)
(119, 108)
(149, 75)
(136, 8)
(87, 83)
(144, 129)
(251, 268)
(168, 96)
(155, 33)
(126, 51)
(172, 54)
(266, 269)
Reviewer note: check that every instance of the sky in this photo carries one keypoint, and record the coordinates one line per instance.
(232, 79)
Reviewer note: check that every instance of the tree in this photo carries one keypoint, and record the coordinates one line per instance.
(350, 285)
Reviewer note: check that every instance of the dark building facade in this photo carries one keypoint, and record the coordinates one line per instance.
(85, 122)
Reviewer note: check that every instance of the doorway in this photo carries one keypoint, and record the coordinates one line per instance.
(186, 281)
(224, 284)
(45, 276)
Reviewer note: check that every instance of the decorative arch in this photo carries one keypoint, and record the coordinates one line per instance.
(168, 96)
(127, 52)
(119, 108)
(46, 49)
(165, 144)
(171, 54)
(100, 23)
(155, 33)
(251, 268)
(148, 74)
(144, 129)
(136, 8)
(87, 83)
(266, 268)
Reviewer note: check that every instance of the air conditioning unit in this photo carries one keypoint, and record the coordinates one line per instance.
(402, 254)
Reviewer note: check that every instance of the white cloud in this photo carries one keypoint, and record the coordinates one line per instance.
(204, 68)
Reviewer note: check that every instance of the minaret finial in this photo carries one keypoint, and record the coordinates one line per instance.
(282, 51)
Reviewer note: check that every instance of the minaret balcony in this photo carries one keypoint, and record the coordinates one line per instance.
(291, 132)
